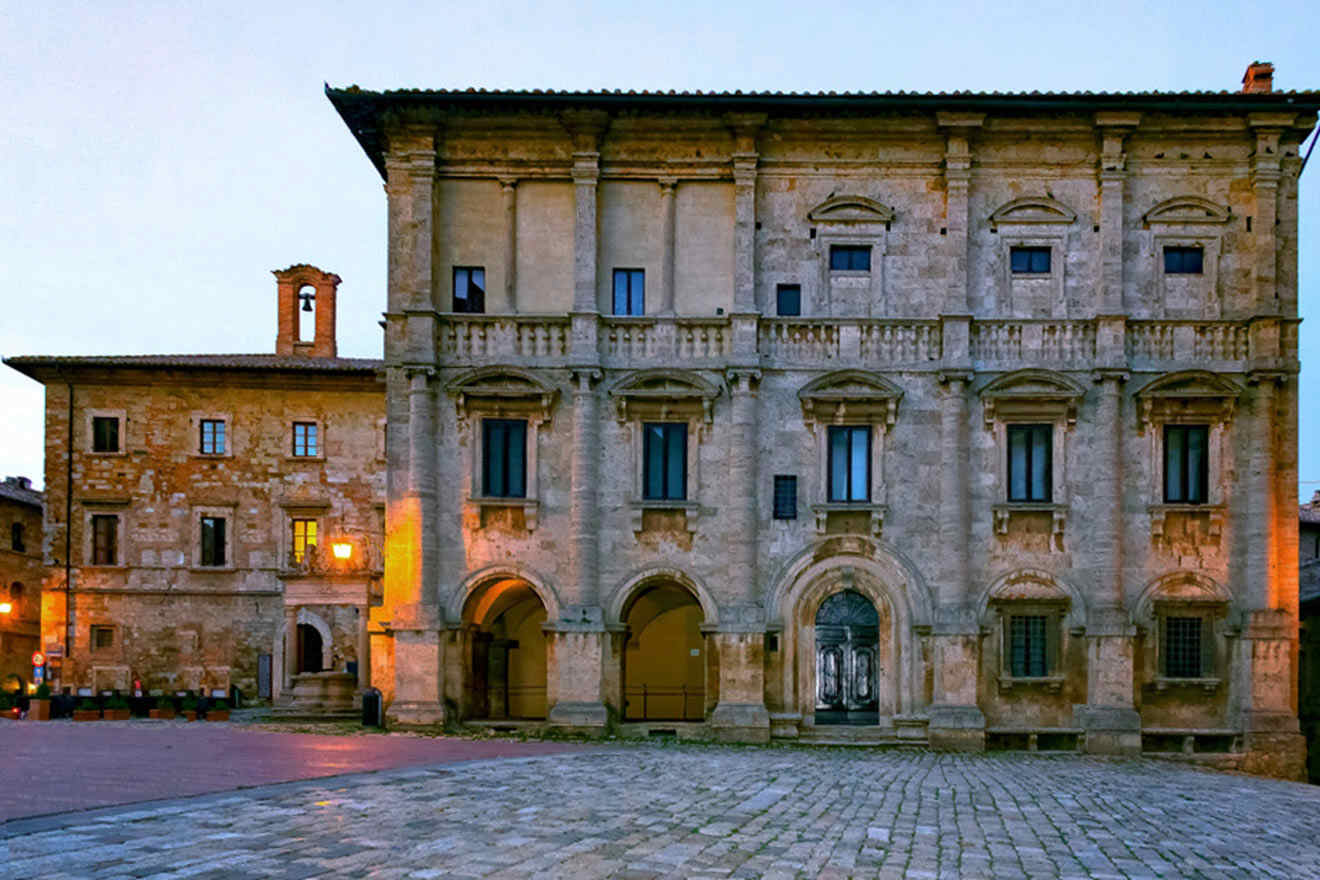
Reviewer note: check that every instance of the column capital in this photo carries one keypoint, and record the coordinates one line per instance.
(584, 378)
(949, 377)
(1105, 375)
(508, 184)
(667, 184)
(742, 379)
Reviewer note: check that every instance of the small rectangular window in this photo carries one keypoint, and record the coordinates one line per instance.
(1179, 260)
(212, 437)
(305, 441)
(469, 289)
(103, 637)
(105, 434)
(785, 496)
(1182, 647)
(630, 292)
(304, 537)
(504, 458)
(105, 539)
(1029, 260)
(664, 456)
(1030, 468)
(850, 258)
(1186, 463)
(16, 542)
(213, 540)
(788, 300)
(1026, 646)
(849, 463)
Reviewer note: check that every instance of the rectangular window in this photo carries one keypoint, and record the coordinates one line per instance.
(105, 539)
(1029, 260)
(305, 441)
(850, 463)
(785, 497)
(1186, 463)
(16, 542)
(304, 537)
(1183, 260)
(850, 258)
(103, 637)
(105, 434)
(1026, 646)
(1182, 647)
(664, 457)
(213, 540)
(788, 300)
(213, 437)
(629, 292)
(1030, 469)
(504, 458)
(469, 289)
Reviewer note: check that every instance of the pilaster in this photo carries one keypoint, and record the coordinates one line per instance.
(740, 715)
(1113, 130)
(957, 128)
(1266, 171)
(745, 127)
(509, 210)
(586, 128)
(410, 188)
(576, 653)
(667, 222)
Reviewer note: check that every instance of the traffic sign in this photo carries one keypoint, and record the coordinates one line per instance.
(38, 659)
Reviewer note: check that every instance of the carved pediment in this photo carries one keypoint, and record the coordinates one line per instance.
(502, 391)
(1187, 209)
(1033, 209)
(664, 394)
(851, 209)
(1028, 586)
(1193, 395)
(850, 395)
(1182, 588)
(1031, 394)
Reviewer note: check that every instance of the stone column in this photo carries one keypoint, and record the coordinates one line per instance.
(1113, 129)
(509, 203)
(290, 649)
(586, 128)
(364, 647)
(956, 722)
(667, 220)
(957, 128)
(745, 128)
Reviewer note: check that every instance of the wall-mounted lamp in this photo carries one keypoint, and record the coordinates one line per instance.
(6, 607)
(342, 549)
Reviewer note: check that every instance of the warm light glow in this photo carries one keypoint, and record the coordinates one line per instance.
(343, 549)
(6, 607)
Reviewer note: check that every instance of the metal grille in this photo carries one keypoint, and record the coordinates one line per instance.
(1182, 647)
(785, 497)
(1027, 646)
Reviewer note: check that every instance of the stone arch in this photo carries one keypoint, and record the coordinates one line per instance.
(1179, 585)
(851, 209)
(540, 585)
(1033, 584)
(626, 590)
(860, 551)
(278, 660)
(1033, 209)
(1187, 209)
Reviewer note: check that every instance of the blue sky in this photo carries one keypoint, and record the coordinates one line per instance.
(159, 161)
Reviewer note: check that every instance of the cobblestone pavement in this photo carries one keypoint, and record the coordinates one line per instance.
(705, 812)
(59, 765)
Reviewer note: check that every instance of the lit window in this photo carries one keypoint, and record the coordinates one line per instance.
(1029, 260)
(305, 440)
(105, 539)
(504, 458)
(788, 300)
(785, 497)
(629, 292)
(664, 458)
(213, 437)
(105, 434)
(213, 540)
(1029, 462)
(850, 463)
(469, 289)
(1183, 260)
(850, 258)
(304, 537)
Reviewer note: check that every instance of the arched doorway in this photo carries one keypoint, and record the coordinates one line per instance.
(847, 660)
(664, 657)
(310, 649)
(506, 662)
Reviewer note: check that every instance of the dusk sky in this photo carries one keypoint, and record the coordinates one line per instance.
(158, 162)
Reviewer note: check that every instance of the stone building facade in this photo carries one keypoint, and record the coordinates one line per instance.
(193, 503)
(948, 418)
(21, 576)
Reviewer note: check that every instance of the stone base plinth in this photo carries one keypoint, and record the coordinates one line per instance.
(1110, 730)
(320, 696)
(588, 719)
(414, 714)
(956, 728)
(740, 722)
(1280, 755)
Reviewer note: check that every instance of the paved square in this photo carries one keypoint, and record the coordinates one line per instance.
(639, 811)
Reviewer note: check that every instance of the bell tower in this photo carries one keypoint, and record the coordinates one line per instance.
(306, 290)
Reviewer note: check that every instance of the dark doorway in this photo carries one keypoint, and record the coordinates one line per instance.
(847, 641)
(309, 648)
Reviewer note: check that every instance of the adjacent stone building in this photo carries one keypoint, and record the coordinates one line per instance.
(1308, 562)
(954, 418)
(193, 502)
(21, 576)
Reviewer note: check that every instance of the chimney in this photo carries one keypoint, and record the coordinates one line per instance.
(1258, 78)
(303, 288)
(25, 483)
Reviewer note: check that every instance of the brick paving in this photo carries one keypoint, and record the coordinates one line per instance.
(650, 811)
(59, 765)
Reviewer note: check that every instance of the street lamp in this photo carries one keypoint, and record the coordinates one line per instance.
(6, 607)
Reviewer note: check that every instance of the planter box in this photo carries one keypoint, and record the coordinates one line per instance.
(39, 710)
(86, 714)
(161, 714)
(117, 714)
(217, 715)
(189, 715)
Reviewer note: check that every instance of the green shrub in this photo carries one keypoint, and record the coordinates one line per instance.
(6, 701)
(43, 691)
(218, 706)
(188, 704)
(116, 703)
(88, 704)
(164, 703)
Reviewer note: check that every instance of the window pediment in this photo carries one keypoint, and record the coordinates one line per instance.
(1181, 588)
(850, 395)
(1033, 210)
(500, 391)
(1187, 209)
(851, 210)
(1191, 396)
(664, 394)
(1031, 394)
(1028, 586)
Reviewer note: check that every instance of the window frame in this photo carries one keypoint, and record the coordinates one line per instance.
(630, 275)
(1034, 294)
(17, 542)
(1185, 431)
(780, 291)
(115, 552)
(219, 438)
(488, 425)
(97, 629)
(212, 540)
(225, 513)
(295, 556)
(850, 250)
(1211, 656)
(468, 307)
(786, 511)
(1054, 613)
(1029, 430)
(121, 430)
(1181, 251)
(315, 425)
(667, 428)
(1030, 252)
(851, 432)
